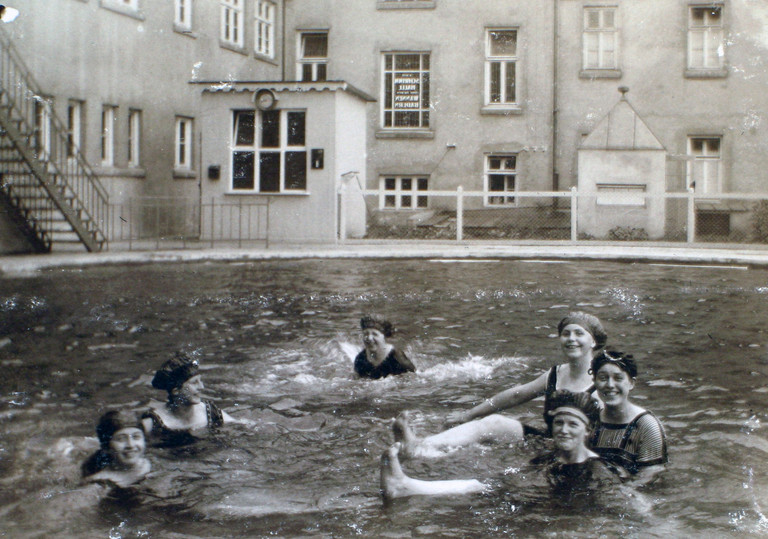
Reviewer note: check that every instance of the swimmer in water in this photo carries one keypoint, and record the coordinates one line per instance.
(581, 335)
(185, 409)
(379, 358)
(570, 468)
(120, 460)
(626, 435)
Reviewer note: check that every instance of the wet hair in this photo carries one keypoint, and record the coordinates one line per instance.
(589, 322)
(175, 372)
(623, 361)
(580, 404)
(108, 425)
(375, 321)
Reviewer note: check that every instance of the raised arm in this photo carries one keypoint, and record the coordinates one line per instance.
(501, 401)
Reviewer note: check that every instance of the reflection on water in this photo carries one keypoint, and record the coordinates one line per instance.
(278, 340)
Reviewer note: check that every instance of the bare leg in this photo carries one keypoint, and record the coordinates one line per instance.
(492, 428)
(395, 484)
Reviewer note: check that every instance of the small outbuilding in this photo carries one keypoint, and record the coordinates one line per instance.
(274, 157)
(622, 176)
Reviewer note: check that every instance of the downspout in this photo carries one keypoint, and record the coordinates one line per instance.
(282, 45)
(555, 54)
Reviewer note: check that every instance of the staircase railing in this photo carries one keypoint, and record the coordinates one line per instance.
(55, 160)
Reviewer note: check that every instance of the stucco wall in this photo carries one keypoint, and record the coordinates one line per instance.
(652, 61)
(454, 35)
(617, 167)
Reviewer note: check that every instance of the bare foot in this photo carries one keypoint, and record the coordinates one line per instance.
(405, 438)
(391, 475)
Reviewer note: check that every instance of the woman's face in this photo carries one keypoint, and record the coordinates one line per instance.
(576, 341)
(373, 339)
(191, 391)
(568, 432)
(127, 446)
(613, 384)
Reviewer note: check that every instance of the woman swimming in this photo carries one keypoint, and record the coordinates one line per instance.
(120, 460)
(185, 409)
(626, 435)
(379, 358)
(570, 468)
(580, 334)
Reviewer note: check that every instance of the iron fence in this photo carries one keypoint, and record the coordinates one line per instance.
(613, 214)
(143, 223)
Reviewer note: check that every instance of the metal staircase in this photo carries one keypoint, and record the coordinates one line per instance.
(46, 185)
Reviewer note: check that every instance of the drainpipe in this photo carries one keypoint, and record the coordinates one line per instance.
(555, 52)
(282, 46)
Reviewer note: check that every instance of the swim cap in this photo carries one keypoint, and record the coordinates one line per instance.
(113, 421)
(623, 361)
(589, 322)
(175, 372)
(581, 405)
(374, 321)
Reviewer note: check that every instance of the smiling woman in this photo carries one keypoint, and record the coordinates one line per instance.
(379, 359)
(626, 435)
(580, 334)
(120, 459)
(570, 469)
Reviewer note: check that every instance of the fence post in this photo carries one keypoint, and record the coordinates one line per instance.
(459, 213)
(342, 235)
(691, 219)
(574, 213)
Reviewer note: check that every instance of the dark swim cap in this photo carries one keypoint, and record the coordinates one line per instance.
(374, 321)
(623, 361)
(589, 322)
(175, 372)
(113, 421)
(581, 405)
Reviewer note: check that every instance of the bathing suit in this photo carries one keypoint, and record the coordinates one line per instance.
(548, 392)
(396, 362)
(641, 442)
(592, 474)
(172, 437)
(97, 462)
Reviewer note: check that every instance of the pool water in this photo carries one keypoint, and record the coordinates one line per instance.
(277, 340)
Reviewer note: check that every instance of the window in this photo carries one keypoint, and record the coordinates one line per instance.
(600, 38)
(313, 56)
(500, 67)
(269, 153)
(402, 192)
(123, 6)
(232, 22)
(182, 14)
(134, 137)
(108, 118)
(706, 48)
(500, 179)
(265, 28)
(183, 143)
(74, 127)
(406, 90)
(617, 194)
(395, 4)
(704, 165)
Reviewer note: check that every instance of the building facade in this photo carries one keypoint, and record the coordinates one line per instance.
(215, 101)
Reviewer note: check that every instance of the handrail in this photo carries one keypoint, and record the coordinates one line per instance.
(67, 167)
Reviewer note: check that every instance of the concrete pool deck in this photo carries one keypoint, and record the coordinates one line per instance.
(730, 256)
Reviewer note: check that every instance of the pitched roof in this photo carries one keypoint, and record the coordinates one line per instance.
(621, 129)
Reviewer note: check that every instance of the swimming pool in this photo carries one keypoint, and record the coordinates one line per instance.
(284, 334)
